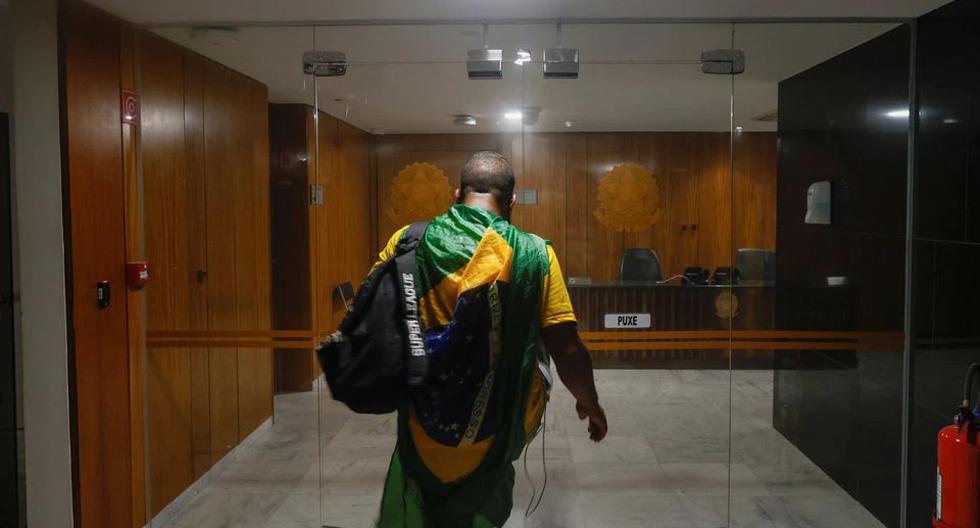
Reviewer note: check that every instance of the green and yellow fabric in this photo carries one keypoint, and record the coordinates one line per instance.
(486, 289)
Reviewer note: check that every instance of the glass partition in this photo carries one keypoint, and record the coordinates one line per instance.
(819, 204)
(646, 137)
(228, 367)
(744, 318)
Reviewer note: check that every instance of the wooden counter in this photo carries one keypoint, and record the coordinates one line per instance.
(692, 325)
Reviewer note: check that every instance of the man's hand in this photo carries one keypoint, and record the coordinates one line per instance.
(597, 420)
(575, 370)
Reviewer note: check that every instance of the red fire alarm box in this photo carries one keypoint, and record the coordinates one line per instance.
(137, 274)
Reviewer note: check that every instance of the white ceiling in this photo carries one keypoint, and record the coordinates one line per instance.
(412, 78)
(198, 11)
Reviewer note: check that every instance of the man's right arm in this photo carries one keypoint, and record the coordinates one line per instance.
(575, 370)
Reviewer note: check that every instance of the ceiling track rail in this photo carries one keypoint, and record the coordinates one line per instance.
(529, 22)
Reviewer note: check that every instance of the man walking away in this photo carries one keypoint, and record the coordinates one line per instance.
(490, 295)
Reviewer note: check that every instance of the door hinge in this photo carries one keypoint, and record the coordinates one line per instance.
(316, 195)
(723, 61)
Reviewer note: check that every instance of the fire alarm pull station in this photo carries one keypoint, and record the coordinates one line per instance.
(137, 274)
(103, 292)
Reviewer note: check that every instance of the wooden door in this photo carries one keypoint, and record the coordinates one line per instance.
(99, 345)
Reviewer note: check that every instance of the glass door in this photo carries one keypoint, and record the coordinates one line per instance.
(622, 158)
(725, 214)
(819, 209)
(393, 138)
(645, 243)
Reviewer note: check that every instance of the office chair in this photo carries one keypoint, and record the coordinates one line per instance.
(756, 267)
(640, 264)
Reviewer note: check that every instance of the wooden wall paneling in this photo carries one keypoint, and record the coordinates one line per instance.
(653, 151)
(541, 167)
(191, 270)
(255, 375)
(343, 206)
(693, 170)
(576, 206)
(223, 161)
(714, 232)
(754, 201)
(373, 192)
(330, 239)
(355, 148)
(90, 52)
(605, 245)
(511, 146)
(243, 189)
(168, 371)
(682, 200)
(136, 298)
(291, 234)
(449, 152)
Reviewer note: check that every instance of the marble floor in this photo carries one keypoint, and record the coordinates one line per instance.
(667, 462)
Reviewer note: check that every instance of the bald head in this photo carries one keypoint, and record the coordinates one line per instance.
(488, 173)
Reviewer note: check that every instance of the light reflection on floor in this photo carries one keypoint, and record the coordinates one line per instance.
(664, 464)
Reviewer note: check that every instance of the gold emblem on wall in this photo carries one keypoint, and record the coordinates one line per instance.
(726, 305)
(420, 191)
(629, 198)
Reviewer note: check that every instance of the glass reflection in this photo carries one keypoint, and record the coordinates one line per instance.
(712, 312)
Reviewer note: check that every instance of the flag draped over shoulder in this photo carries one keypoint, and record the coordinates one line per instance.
(480, 282)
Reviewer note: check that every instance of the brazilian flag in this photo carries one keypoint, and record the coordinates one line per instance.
(480, 281)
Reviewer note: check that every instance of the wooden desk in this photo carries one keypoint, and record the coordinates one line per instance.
(693, 323)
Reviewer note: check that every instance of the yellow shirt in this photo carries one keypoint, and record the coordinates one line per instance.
(450, 463)
(556, 306)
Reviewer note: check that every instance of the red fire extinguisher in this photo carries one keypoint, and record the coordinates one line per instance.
(958, 473)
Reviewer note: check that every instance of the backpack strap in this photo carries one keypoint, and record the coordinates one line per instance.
(417, 361)
(411, 237)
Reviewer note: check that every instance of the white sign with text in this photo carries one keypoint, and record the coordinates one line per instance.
(636, 320)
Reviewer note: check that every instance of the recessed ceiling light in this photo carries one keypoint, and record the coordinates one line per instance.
(568, 124)
(523, 55)
(738, 128)
(513, 115)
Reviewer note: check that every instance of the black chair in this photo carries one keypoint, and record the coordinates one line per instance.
(640, 264)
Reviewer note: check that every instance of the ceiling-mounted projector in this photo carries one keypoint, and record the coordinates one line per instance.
(561, 63)
(485, 64)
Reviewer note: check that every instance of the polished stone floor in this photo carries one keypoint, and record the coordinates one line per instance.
(667, 462)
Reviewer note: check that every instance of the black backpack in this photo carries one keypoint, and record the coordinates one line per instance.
(379, 350)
